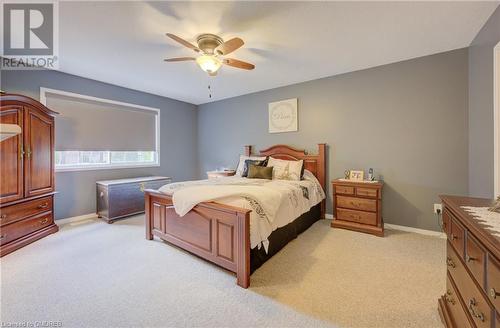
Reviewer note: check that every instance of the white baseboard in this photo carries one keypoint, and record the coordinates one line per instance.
(415, 230)
(77, 218)
(391, 226)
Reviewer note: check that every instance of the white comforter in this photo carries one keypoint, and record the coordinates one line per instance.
(274, 203)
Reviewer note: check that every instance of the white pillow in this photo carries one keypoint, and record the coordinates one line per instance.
(285, 170)
(241, 163)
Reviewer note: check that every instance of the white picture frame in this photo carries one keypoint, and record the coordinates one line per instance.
(283, 116)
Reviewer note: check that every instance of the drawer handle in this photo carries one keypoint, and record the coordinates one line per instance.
(469, 258)
(3, 237)
(45, 205)
(3, 216)
(450, 263)
(494, 293)
(472, 310)
(453, 237)
(41, 222)
(448, 298)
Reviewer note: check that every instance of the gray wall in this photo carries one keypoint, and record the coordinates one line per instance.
(178, 123)
(481, 107)
(407, 120)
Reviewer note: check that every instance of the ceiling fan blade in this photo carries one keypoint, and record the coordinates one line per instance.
(229, 46)
(238, 63)
(179, 59)
(183, 42)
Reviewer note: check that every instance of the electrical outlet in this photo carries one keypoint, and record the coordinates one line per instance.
(438, 207)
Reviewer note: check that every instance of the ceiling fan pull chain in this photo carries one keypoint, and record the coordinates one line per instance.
(209, 91)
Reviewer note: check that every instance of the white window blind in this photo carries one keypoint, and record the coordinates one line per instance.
(96, 125)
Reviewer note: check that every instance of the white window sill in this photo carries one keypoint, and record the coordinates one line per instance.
(104, 167)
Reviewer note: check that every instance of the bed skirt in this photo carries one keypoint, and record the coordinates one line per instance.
(282, 236)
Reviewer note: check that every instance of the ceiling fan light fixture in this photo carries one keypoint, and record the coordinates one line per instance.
(209, 63)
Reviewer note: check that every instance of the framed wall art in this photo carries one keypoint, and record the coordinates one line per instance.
(283, 116)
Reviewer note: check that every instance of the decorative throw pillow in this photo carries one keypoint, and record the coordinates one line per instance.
(254, 162)
(286, 170)
(241, 163)
(260, 172)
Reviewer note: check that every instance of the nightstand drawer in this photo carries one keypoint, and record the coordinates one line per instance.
(357, 203)
(346, 190)
(356, 216)
(366, 192)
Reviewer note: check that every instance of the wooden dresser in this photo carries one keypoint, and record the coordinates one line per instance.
(27, 173)
(472, 296)
(358, 206)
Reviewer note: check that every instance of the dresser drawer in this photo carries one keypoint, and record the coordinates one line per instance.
(345, 190)
(446, 222)
(366, 192)
(24, 227)
(457, 236)
(453, 302)
(357, 203)
(493, 282)
(475, 258)
(356, 216)
(19, 211)
(476, 304)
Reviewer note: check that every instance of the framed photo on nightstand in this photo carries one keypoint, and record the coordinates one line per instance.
(356, 175)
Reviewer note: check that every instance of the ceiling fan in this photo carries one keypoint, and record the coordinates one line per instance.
(212, 51)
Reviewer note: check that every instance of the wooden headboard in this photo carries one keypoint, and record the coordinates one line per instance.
(314, 163)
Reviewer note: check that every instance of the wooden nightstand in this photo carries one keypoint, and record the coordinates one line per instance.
(358, 206)
(220, 174)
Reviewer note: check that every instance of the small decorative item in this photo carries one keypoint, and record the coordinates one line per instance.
(496, 206)
(283, 116)
(356, 175)
(347, 173)
(371, 176)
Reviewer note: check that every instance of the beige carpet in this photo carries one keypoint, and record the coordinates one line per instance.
(96, 275)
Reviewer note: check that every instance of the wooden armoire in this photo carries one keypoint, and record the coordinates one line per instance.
(27, 173)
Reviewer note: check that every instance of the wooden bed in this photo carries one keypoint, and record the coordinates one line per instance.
(216, 232)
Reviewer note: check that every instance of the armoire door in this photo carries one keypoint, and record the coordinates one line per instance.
(39, 152)
(11, 153)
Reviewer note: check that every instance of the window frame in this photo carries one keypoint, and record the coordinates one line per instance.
(110, 166)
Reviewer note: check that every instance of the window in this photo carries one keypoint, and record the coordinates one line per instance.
(71, 159)
(94, 133)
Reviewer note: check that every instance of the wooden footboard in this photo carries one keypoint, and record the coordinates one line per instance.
(213, 231)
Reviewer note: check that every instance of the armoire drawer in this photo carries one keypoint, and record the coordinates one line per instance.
(26, 209)
(24, 227)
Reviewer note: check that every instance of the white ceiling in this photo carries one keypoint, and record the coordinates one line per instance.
(124, 43)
